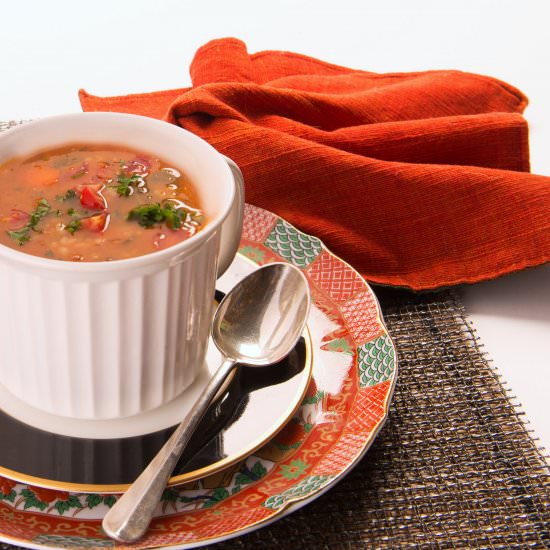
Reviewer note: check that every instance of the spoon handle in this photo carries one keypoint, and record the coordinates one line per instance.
(130, 516)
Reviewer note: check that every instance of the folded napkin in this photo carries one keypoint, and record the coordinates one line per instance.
(416, 179)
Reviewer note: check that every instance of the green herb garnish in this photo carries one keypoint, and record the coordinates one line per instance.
(79, 174)
(42, 208)
(173, 216)
(73, 227)
(197, 218)
(71, 211)
(21, 236)
(126, 184)
(148, 215)
(69, 194)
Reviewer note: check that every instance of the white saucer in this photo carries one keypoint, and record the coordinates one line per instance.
(150, 421)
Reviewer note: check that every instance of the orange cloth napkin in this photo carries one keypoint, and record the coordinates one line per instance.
(416, 179)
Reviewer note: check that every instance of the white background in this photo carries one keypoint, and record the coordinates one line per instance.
(50, 49)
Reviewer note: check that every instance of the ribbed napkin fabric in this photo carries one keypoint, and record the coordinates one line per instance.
(416, 179)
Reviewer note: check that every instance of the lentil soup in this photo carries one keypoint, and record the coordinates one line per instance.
(95, 203)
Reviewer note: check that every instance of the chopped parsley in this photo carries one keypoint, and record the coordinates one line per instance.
(73, 226)
(69, 194)
(79, 174)
(126, 183)
(21, 236)
(148, 215)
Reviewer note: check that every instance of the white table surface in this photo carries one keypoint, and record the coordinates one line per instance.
(50, 49)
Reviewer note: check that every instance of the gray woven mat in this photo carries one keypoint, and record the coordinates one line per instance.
(454, 467)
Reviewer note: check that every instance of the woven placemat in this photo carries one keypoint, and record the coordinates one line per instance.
(454, 467)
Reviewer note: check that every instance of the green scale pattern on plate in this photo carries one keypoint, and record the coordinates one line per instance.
(292, 245)
(376, 361)
(307, 486)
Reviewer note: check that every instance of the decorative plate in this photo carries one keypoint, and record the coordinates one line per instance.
(354, 374)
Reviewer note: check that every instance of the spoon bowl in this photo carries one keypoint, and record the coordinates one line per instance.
(261, 329)
(257, 323)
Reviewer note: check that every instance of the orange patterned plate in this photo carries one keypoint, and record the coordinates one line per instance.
(354, 374)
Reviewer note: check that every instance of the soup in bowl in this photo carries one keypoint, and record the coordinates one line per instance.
(114, 229)
(95, 203)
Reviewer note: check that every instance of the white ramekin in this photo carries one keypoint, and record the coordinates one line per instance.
(112, 339)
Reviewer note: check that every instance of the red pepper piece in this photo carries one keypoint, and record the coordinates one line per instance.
(91, 197)
(96, 224)
(139, 166)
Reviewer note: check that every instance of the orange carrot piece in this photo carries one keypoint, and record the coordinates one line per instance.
(40, 175)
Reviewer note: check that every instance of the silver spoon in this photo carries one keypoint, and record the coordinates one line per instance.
(257, 323)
